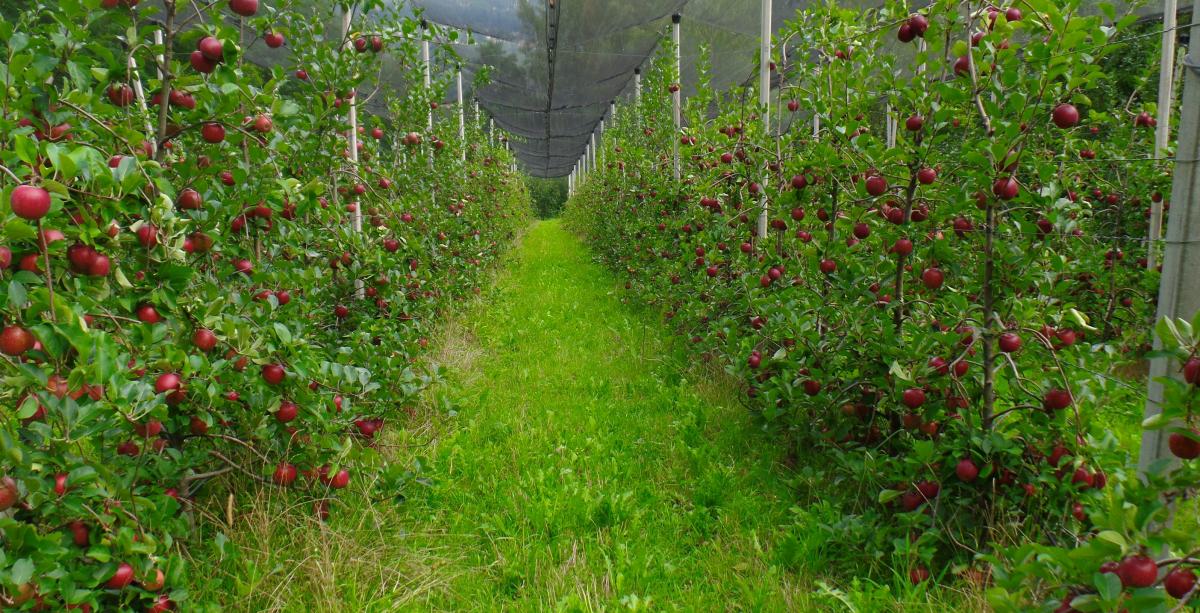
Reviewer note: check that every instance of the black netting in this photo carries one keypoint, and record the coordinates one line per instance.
(554, 66)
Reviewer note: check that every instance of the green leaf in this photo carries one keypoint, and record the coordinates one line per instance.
(284, 334)
(1113, 537)
(17, 296)
(19, 230)
(1108, 585)
(22, 571)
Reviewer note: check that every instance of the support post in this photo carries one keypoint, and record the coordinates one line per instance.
(599, 138)
(1178, 293)
(428, 67)
(347, 15)
(764, 102)
(892, 126)
(677, 97)
(637, 85)
(1162, 135)
(462, 113)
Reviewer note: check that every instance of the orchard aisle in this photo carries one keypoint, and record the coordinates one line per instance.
(581, 470)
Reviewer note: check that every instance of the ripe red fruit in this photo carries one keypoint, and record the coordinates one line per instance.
(913, 398)
(932, 278)
(1010, 342)
(285, 474)
(876, 185)
(1191, 371)
(1185, 446)
(828, 266)
(162, 604)
(340, 479)
(918, 575)
(966, 470)
(121, 578)
(919, 24)
(273, 374)
(1065, 116)
(202, 64)
(274, 40)
(1006, 188)
(1179, 582)
(926, 176)
(929, 489)
(245, 8)
(914, 123)
(211, 48)
(1138, 571)
(189, 200)
(80, 534)
(1083, 478)
(158, 580)
(9, 494)
(212, 132)
(1056, 400)
(754, 360)
(15, 340)
(962, 66)
(120, 94)
(29, 202)
(263, 124)
(198, 426)
(167, 382)
(60, 484)
(287, 412)
(147, 235)
(148, 314)
(204, 339)
(341, 312)
(902, 247)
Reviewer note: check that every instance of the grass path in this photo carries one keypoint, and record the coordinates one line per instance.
(565, 463)
(582, 470)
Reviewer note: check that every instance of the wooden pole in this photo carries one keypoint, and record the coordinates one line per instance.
(1162, 135)
(1178, 293)
(764, 102)
(677, 97)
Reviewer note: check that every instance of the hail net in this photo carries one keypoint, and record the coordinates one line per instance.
(554, 67)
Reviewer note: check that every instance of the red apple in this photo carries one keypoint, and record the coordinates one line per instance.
(273, 374)
(1138, 571)
(1185, 446)
(15, 340)
(245, 8)
(1065, 116)
(29, 202)
(966, 470)
(212, 132)
(121, 578)
(211, 48)
(1179, 582)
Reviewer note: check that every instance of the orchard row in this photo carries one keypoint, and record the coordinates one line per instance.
(213, 272)
(943, 315)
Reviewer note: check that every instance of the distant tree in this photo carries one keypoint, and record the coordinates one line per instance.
(549, 195)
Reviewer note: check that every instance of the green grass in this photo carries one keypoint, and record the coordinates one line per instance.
(572, 459)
